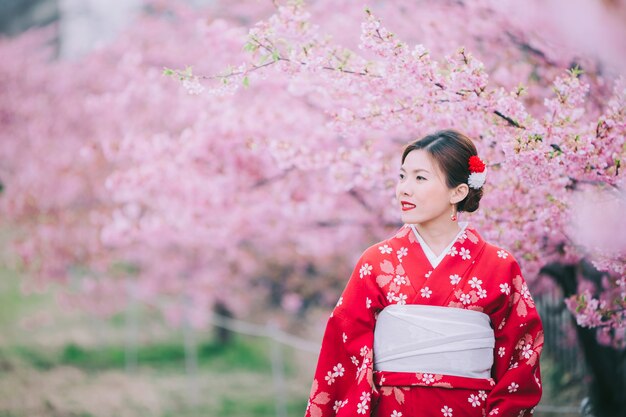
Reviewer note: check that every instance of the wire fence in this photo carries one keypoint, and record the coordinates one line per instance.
(560, 340)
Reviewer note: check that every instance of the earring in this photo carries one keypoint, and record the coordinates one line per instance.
(453, 215)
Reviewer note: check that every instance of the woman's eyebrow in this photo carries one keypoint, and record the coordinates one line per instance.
(414, 170)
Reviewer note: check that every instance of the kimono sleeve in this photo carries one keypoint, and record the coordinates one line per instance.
(343, 382)
(519, 341)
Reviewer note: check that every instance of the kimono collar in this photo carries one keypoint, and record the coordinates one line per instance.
(432, 258)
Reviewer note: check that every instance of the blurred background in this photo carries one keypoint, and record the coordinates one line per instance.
(168, 253)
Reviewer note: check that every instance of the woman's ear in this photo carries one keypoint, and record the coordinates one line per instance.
(459, 193)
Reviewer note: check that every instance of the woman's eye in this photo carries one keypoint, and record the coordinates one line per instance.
(419, 177)
(401, 176)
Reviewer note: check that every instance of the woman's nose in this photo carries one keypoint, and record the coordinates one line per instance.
(403, 189)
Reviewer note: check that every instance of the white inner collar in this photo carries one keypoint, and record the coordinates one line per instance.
(432, 258)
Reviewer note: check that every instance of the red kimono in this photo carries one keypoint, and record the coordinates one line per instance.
(472, 275)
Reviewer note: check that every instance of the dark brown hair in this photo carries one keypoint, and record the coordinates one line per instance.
(451, 151)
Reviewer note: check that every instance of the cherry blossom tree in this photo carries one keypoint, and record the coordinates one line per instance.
(541, 157)
(280, 167)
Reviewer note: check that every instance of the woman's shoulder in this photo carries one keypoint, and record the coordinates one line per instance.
(500, 258)
(495, 250)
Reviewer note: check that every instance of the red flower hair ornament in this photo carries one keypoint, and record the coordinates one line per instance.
(477, 172)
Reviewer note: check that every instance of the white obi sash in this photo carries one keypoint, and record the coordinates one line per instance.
(433, 339)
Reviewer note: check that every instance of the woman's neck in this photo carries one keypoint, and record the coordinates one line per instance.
(438, 235)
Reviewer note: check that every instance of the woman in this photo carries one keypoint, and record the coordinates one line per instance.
(434, 321)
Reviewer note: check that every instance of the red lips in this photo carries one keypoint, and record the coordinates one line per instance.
(407, 205)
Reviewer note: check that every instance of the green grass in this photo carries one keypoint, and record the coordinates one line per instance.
(238, 354)
(251, 355)
(38, 359)
(233, 407)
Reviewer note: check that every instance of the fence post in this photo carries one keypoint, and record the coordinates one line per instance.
(191, 351)
(277, 369)
(132, 325)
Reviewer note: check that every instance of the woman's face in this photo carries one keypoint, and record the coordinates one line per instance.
(421, 191)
